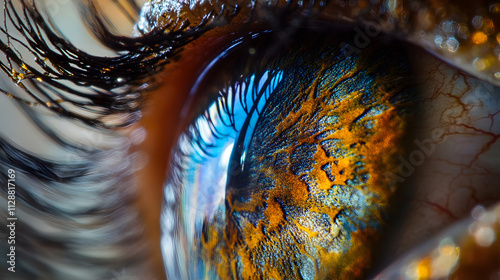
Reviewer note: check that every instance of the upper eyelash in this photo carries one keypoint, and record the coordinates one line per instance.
(105, 96)
(109, 85)
(63, 190)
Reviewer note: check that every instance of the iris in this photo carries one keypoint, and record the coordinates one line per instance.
(288, 156)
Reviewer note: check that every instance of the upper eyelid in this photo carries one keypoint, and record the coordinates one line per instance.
(447, 30)
(163, 45)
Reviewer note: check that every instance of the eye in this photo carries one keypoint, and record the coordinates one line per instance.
(186, 192)
(290, 150)
(76, 211)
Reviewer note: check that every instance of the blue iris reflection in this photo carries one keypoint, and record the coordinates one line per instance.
(202, 163)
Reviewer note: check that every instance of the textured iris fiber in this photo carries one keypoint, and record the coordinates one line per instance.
(312, 198)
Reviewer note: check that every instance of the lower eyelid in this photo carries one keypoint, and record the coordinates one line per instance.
(467, 250)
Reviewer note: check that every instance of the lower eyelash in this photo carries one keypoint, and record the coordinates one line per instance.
(61, 207)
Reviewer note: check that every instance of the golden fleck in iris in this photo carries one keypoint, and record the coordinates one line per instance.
(498, 37)
(479, 38)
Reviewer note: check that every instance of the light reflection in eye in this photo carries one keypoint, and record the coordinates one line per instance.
(204, 154)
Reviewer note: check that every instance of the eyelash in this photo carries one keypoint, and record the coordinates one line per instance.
(108, 85)
(52, 191)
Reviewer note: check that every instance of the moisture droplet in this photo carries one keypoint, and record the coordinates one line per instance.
(452, 44)
(485, 236)
(438, 40)
(477, 21)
